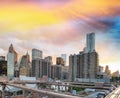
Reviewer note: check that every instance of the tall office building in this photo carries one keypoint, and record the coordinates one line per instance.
(72, 67)
(49, 59)
(65, 73)
(63, 56)
(100, 69)
(36, 54)
(3, 66)
(41, 68)
(12, 67)
(25, 65)
(93, 63)
(85, 64)
(36, 58)
(57, 72)
(107, 70)
(44, 67)
(59, 61)
(2, 58)
(90, 42)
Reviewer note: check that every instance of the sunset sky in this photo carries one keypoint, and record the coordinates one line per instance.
(60, 26)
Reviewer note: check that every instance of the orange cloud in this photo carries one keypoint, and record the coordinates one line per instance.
(21, 16)
(85, 8)
(59, 26)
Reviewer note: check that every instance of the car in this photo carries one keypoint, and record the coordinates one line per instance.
(113, 87)
(106, 91)
(110, 89)
(89, 90)
(101, 95)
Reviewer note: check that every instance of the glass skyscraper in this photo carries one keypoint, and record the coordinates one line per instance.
(90, 42)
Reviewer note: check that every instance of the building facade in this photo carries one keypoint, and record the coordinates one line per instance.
(57, 72)
(36, 54)
(100, 69)
(116, 74)
(90, 42)
(59, 61)
(12, 66)
(49, 59)
(44, 68)
(107, 70)
(2, 58)
(65, 73)
(3, 66)
(25, 65)
(72, 67)
(64, 56)
(41, 68)
(85, 64)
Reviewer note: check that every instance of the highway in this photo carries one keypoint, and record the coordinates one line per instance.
(92, 95)
(114, 94)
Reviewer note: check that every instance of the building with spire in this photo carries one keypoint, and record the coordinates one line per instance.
(25, 65)
(12, 66)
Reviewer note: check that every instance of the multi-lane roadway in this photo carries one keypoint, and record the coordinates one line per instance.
(114, 94)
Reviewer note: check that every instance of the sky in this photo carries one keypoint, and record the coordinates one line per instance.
(60, 26)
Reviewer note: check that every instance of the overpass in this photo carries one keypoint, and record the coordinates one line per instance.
(66, 84)
(33, 90)
(21, 84)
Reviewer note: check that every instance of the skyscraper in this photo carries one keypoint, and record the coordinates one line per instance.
(40, 68)
(85, 64)
(57, 72)
(49, 59)
(63, 56)
(107, 70)
(36, 57)
(3, 66)
(90, 42)
(25, 66)
(72, 67)
(36, 54)
(12, 68)
(59, 61)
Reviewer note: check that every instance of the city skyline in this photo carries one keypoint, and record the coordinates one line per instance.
(59, 27)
